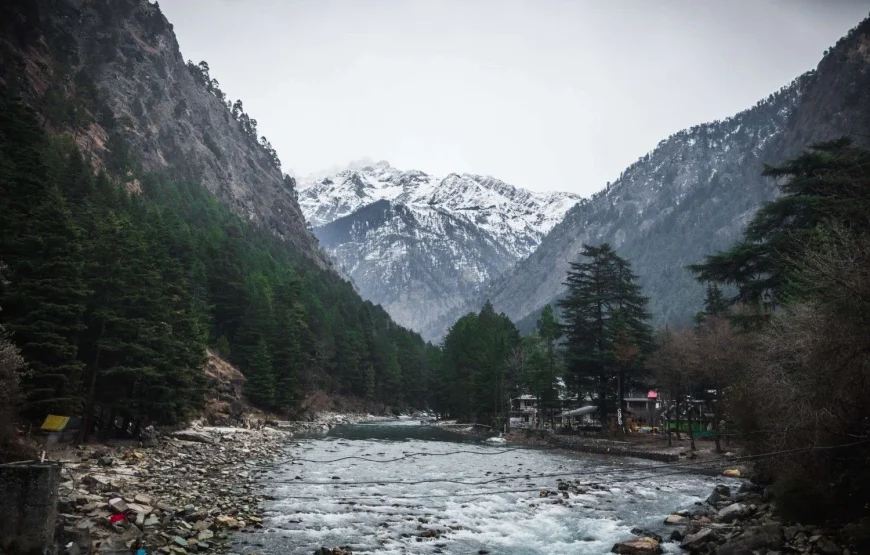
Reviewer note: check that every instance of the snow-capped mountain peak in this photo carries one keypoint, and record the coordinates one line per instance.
(421, 245)
(518, 217)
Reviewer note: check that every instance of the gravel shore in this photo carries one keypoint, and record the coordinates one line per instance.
(182, 492)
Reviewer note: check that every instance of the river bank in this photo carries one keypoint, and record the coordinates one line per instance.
(650, 447)
(733, 521)
(180, 492)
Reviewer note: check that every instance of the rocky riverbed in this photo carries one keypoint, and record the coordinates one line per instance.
(181, 492)
(740, 522)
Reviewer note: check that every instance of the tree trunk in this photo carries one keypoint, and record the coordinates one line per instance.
(679, 419)
(88, 416)
(691, 432)
(602, 401)
(622, 411)
(668, 424)
(717, 418)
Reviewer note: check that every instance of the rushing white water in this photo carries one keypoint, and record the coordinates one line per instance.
(317, 506)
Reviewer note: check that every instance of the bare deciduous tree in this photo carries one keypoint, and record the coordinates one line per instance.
(721, 352)
(674, 365)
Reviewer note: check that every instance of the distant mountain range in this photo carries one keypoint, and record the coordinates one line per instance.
(432, 249)
(420, 245)
(695, 192)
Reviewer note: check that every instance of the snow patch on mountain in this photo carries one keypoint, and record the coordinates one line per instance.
(517, 217)
(421, 246)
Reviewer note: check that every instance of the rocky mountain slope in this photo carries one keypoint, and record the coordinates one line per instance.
(695, 192)
(124, 58)
(421, 245)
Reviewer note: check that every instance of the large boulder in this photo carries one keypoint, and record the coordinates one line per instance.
(699, 540)
(732, 512)
(676, 519)
(638, 546)
(193, 435)
(827, 547)
(644, 533)
(768, 538)
(720, 494)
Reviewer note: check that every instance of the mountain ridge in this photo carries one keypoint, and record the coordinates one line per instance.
(430, 241)
(694, 193)
(145, 99)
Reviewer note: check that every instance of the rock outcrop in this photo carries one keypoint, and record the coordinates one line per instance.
(119, 63)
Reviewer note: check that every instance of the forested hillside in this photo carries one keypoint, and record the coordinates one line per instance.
(113, 71)
(119, 271)
(696, 191)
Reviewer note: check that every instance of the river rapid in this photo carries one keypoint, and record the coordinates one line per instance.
(357, 503)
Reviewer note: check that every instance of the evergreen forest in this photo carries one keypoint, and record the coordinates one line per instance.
(113, 288)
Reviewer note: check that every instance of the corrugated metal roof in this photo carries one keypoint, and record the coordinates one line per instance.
(578, 412)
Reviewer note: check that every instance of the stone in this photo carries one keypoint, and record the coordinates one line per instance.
(205, 535)
(97, 483)
(827, 547)
(193, 435)
(748, 487)
(675, 519)
(720, 493)
(66, 505)
(731, 473)
(735, 511)
(676, 536)
(84, 524)
(638, 546)
(646, 534)
(165, 507)
(768, 537)
(224, 521)
(118, 505)
(697, 541)
(144, 509)
(142, 499)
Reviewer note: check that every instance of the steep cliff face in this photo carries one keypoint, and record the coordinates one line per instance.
(419, 245)
(123, 59)
(696, 191)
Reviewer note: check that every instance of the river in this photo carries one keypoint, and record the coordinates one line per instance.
(357, 502)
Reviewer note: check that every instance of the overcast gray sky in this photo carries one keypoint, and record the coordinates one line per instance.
(546, 94)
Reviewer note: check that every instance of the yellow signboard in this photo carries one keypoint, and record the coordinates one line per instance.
(55, 423)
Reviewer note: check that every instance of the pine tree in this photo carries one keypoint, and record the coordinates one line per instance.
(260, 383)
(827, 183)
(227, 285)
(43, 307)
(114, 345)
(631, 334)
(587, 317)
(605, 324)
(291, 334)
(715, 303)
